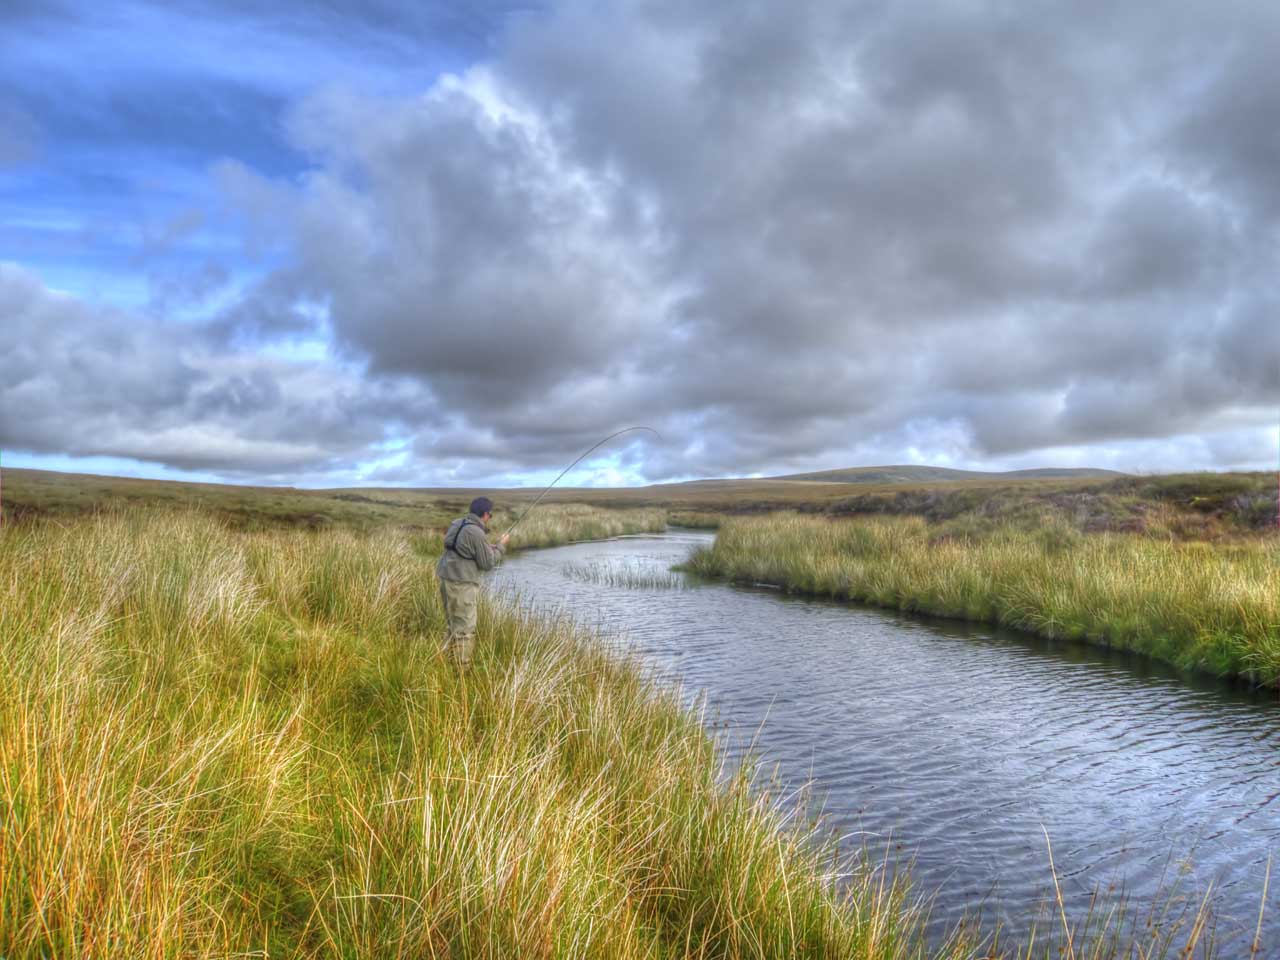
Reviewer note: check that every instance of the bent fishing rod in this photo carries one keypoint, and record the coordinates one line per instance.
(584, 456)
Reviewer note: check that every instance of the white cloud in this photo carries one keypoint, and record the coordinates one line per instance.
(788, 237)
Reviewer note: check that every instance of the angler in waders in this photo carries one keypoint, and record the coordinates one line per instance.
(467, 553)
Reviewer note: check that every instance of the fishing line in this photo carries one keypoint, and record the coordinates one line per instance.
(584, 456)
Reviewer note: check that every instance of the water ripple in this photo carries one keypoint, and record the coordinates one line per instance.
(954, 747)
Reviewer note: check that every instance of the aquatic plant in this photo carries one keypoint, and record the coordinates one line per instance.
(636, 576)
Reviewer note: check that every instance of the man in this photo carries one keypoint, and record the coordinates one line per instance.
(467, 553)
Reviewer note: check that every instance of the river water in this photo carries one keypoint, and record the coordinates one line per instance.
(958, 747)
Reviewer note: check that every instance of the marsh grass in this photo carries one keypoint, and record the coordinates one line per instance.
(696, 519)
(553, 524)
(1211, 607)
(635, 576)
(1203, 506)
(217, 743)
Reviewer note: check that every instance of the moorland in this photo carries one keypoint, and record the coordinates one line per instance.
(226, 728)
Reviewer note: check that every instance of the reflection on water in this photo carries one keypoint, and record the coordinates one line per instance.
(962, 744)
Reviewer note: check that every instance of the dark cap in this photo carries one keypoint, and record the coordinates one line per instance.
(481, 505)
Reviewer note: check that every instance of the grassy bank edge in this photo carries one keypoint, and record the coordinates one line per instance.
(1197, 606)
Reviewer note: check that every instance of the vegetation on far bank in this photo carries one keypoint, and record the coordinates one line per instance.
(1197, 605)
(32, 496)
(1201, 506)
(556, 523)
(1193, 506)
(696, 519)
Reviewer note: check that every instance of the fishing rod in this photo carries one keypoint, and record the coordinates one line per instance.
(584, 456)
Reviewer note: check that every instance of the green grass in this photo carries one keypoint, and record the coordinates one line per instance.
(33, 495)
(635, 576)
(216, 743)
(1203, 506)
(1202, 606)
(225, 727)
(38, 494)
(696, 519)
(555, 524)
(225, 743)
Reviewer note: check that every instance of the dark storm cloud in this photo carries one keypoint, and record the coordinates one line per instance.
(803, 227)
(1228, 135)
(788, 236)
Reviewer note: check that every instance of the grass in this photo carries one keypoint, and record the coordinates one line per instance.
(226, 743)
(216, 743)
(635, 576)
(556, 524)
(225, 728)
(1194, 604)
(31, 495)
(1201, 506)
(696, 519)
(44, 494)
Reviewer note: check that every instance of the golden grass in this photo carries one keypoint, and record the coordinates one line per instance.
(1197, 605)
(633, 576)
(217, 744)
(551, 524)
(228, 744)
(1203, 506)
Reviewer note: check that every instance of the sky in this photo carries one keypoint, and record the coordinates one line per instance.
(410, 242)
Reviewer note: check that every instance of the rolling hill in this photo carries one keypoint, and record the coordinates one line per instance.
(923, 474)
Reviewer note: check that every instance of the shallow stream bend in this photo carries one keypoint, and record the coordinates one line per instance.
(957, 746)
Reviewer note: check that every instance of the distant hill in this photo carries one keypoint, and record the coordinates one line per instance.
(919, 474)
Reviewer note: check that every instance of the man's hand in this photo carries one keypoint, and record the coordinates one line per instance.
(502, 540)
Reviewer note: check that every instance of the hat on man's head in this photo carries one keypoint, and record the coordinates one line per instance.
(481, 505)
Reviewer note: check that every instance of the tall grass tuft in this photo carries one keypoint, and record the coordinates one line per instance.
(634, 576)
(1212, 607)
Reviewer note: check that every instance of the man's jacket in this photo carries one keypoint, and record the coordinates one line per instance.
(466, 551)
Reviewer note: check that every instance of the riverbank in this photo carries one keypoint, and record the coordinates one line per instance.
(1201, 606)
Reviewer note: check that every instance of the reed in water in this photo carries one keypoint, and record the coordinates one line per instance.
(635, 576)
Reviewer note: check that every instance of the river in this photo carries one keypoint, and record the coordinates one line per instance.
(955, 747)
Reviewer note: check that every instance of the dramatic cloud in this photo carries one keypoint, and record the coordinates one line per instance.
(789, 237)
(90, 383)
